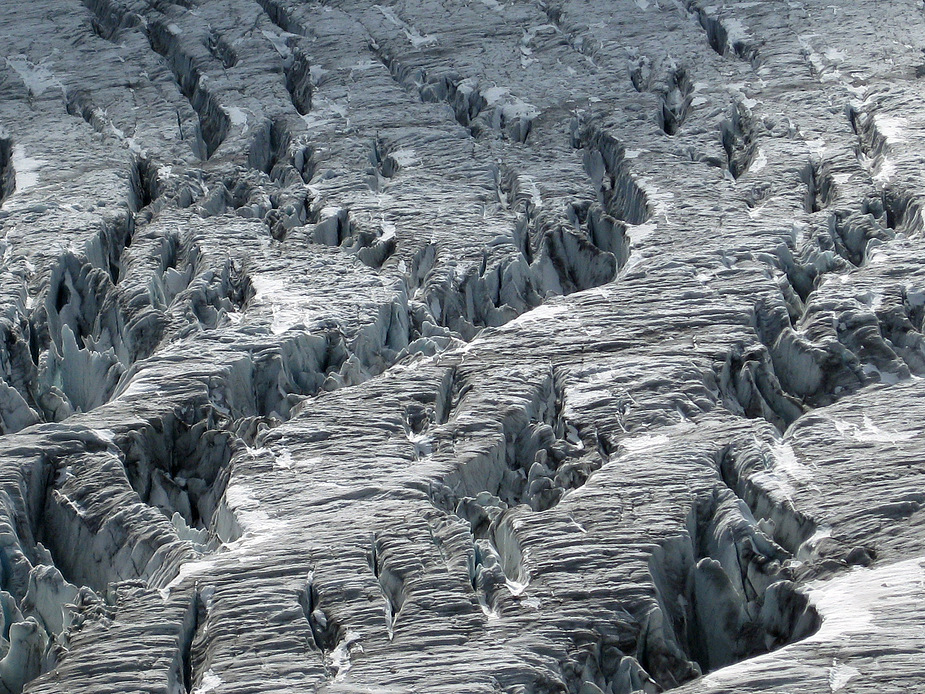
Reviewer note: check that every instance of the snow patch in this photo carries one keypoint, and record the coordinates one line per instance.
(510, 107)
(886, 172)
(188, 569)
(816, 146)
(388, 231)
(646, 442)
(287, 308)
(279, 42)
(340, 656)
(540, 313)
(851, 605)
(516, 587)
(210, 682)
(416, 38)
(839, 674)
(36, 77)
(405, 157)
(26, 168)
(660, 201)
(283, 461)
(784, 470)
(870, 432)
(535, 196)
(255, 523)
(736, 30)
(786, 460)
(316, 72)
(891, 127)
(237, 117)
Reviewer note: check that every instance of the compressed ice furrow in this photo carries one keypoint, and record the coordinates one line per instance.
(606, 164)
(820, 187)
(726, 35)
(222, 50)
(281, 15)
(213, 120)
(738, 141)
(7, 172)
(676, 101)
(576, 32)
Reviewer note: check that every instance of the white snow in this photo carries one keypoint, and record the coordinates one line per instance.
(190, 568)
(735, 30)
(870, 432)
(786, 461)
(316, 72)
(493, 95)
(661, 201)
(237, 116)
(891, 127)
(516, 587)
(405, 157)
(540, 313)
(508, 106)
(816, 146)
(808, 546)
(530, 185)
(283, 461)
(25, 168)
(839, 674)
(416, 38)
(786, 469)
(209, 683)
(364, 65)
(886, 172)
(287, 308)
(36, 77)
(388, 230)
(256, 526)
(638, 232)
(850, 602)
(646, 442)
(340, 656)
(108, 435)
(852, 605)
(279, 42)
(490, 614)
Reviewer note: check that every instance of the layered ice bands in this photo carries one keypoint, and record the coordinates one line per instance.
(504, 346)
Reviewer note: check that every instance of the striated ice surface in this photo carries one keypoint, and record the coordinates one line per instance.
(498, 346)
